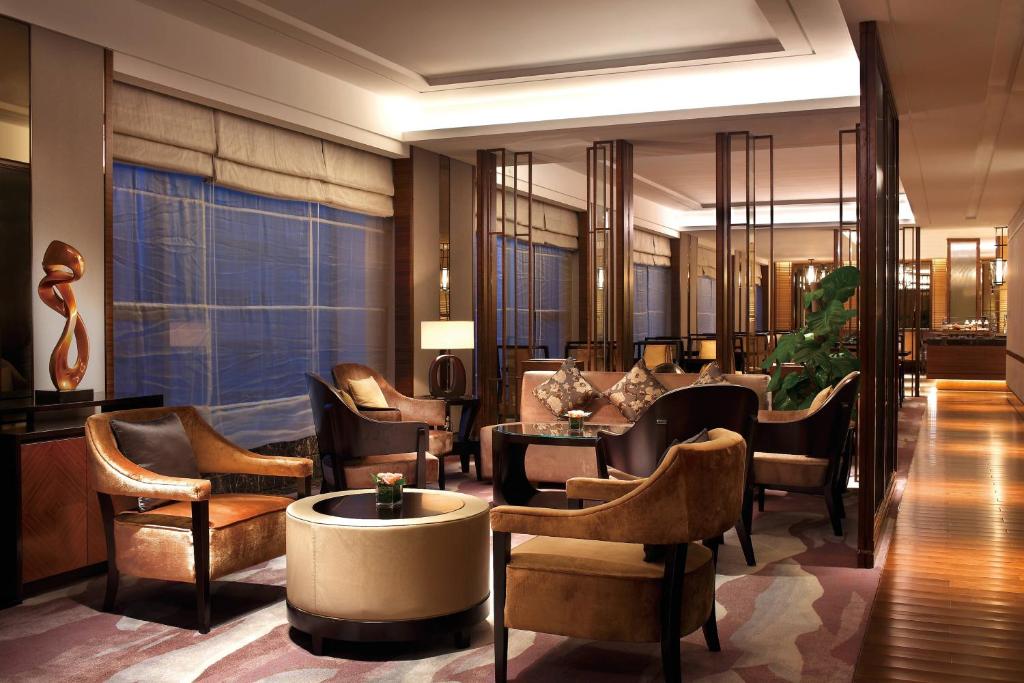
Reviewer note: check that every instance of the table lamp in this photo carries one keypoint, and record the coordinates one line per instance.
(447, 375)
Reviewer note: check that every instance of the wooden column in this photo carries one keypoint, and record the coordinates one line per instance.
(404, 317)
(486, 294)
(622, 237)
(725, 305)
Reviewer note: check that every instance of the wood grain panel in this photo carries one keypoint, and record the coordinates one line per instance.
(404, 315)
(940, 293)
(783, 287)
(966, 362)
(950, 603)
(54, 508)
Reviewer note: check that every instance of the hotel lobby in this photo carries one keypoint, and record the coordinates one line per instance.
(453, 341)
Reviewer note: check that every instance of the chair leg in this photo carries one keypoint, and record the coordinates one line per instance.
(113, 576)
(501, 550)
(840, 508)
(760, 499)
(440, 473)
(671, 604)
(710, 629)
(464, 461)
(201, 547)
(713, 545)
(747, 515)
(833, 514)
(743, 533)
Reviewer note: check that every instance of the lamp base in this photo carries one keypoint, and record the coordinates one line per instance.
(447, 377)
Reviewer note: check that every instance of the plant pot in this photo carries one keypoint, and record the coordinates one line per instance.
(389, 497)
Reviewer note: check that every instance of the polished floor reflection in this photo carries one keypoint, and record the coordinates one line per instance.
(950, 605)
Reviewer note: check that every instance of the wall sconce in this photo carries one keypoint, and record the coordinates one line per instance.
(999, 266)
(600, 277)
(812, 274)
(445, 285)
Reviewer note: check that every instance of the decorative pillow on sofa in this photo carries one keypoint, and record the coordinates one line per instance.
(710, 373)
(565, 390)
(636, 391)
(367, 393)
(160, 446)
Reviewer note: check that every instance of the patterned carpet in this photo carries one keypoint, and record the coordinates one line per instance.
(798, 616)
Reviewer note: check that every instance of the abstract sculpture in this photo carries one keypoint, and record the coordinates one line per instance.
(64, 265)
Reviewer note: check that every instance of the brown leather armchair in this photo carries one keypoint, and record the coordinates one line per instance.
(354, 447)
(584, 575)
(199, 536)
(803, 451)
(401, 408)
(679, 415)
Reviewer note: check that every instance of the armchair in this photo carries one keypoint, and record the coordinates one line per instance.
(199, 536)
(440, 441)
(354, 447)
(584, 576)
(678, 415)
(803, 451)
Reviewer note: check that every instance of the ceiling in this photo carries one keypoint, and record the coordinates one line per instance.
(957, 75)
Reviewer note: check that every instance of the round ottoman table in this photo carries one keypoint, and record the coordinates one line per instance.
(358, 575)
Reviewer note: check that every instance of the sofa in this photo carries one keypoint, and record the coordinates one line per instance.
(556, 464)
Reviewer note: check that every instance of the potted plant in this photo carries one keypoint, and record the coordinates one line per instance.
(389, 489)
(817, 347)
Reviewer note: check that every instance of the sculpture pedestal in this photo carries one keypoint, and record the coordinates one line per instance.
(51, 396)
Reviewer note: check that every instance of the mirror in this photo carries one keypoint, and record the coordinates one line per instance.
(964, 279)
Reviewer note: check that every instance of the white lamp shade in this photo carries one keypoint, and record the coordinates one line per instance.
(446, 334)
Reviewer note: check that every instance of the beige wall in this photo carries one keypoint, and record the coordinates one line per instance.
(67, 185)
(1015, 305)
(426, 260)
(462, 273)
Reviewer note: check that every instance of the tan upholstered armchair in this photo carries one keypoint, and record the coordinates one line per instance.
(401, 407)
(806, 451)
(585, 576)
(199, 536)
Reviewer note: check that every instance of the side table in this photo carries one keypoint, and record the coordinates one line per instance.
(463, 444)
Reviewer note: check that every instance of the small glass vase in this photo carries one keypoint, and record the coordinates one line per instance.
(389, 497)
(576, 424)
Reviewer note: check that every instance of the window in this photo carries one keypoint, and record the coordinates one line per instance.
(553, 286)
(224, 299)
(652, 301)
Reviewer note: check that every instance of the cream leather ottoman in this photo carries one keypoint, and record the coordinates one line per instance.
(355, 575)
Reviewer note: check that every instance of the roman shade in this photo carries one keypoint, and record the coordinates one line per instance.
(552, 225)
(651, 249)
(164, 132)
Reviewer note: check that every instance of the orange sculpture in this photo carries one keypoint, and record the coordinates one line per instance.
(64, 265)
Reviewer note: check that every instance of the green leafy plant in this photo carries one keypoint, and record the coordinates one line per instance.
(817, 346)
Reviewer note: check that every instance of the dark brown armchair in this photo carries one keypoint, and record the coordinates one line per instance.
(585, 576)
(402, 408)
(354, 447)
(803, 451)
(200, 536)
(677, 416)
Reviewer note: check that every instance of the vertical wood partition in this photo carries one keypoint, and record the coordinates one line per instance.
(504, 180)
(609, 256)
(878, 187)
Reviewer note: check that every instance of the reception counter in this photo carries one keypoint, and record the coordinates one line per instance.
(966, 357)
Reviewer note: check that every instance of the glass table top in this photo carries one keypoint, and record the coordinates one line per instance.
(559, 431)
(364, 506)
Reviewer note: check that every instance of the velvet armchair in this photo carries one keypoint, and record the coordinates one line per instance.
(585, 573)
(354, 447)
(198, 536)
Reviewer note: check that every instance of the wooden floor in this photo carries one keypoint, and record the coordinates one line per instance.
(950, 605)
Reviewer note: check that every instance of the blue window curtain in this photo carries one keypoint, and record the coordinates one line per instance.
(553, 287)
(652, 301)
(224, 299)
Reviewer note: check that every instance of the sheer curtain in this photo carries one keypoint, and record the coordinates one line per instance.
(553, 288)
(652, 301)
(223, 299)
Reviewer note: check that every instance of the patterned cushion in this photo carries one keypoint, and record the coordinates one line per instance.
(636, 391)
(567, 389)
(711, 373)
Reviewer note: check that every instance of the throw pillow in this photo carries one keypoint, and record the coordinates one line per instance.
(567, 389)
(711, 373)
(160, 446)
(636, 391)
(367, 393)
(819, 399)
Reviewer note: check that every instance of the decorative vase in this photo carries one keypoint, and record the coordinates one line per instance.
(389, 497)
(576, 423)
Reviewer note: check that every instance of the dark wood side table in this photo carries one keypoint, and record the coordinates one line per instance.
(509, 443)
(463, 443)
(46, 495)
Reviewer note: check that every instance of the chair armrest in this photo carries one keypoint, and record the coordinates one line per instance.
(428, 410)
(116, 475)
(381, 414)
(588, 488)
(216, 454)
(374, 438)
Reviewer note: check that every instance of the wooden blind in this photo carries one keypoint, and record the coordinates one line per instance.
(940, 294)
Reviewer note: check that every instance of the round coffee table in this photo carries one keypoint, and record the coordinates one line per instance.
(509, 443)
(357, 575)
